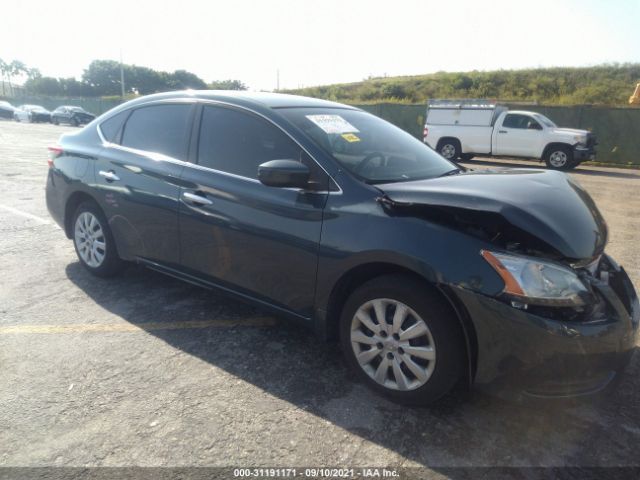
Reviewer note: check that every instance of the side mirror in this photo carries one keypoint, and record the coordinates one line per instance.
(284, 173)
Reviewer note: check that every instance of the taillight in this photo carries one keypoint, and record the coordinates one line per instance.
(54, 152)
(425, 132)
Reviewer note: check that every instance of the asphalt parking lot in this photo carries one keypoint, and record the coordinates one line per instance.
(145, 370)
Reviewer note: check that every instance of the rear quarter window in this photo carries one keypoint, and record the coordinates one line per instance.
(112, 127)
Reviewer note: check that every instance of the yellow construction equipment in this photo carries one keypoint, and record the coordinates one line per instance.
(635, 98)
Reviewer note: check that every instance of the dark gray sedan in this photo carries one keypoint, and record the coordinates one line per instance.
(72, 115)
(429, 275)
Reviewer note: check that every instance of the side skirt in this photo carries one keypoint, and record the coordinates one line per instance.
(232, 293)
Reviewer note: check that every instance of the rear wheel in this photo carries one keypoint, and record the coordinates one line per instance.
(449, 149)
(94, 242)
(402, 339)
(75, 122)
(559, 158)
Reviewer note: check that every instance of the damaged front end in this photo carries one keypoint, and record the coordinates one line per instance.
(567, 310)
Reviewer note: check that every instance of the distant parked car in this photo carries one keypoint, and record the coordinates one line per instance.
(6, 109)
(31, 113)
(72, 115)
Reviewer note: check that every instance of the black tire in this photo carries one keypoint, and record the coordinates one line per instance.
(75, 122)
(445, 331)
(111, 263)
(559, 158)
(449, 148)
(55, 121)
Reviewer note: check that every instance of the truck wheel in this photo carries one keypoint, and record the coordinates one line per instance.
(402, 339)
(559, 158)
(449, 149)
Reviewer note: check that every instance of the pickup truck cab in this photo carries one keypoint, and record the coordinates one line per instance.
(463, 130)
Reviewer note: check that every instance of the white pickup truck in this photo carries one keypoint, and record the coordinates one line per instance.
(463, 129)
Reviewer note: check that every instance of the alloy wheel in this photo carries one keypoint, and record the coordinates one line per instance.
(393, 344)
(90, 240)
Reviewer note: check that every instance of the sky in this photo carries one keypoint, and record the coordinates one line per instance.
(318, 42)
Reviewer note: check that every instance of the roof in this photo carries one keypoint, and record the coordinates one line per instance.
(265, 99)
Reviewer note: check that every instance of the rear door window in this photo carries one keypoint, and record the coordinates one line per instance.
(159, 129)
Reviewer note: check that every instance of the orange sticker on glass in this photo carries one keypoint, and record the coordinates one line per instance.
(350, 137)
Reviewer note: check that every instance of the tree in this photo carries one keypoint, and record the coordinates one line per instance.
(4, 69)
(183, 80)
(227, 85)
(103, 76)
(16, 68)
(44, 86)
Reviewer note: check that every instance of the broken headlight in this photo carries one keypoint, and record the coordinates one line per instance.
(536, 282)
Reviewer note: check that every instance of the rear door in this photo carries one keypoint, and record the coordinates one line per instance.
(240, 234)
(519, 135)
(137, 177)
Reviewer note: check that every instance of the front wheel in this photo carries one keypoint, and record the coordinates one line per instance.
(559, 158)
(402, 339)
(94, 242)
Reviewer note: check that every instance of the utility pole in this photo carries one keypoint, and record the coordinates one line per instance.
(278, 80)
(121, 76)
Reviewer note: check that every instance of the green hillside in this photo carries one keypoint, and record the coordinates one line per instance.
(599, 85)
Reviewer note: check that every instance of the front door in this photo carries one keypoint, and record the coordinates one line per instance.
(240, 234)
(519, 135)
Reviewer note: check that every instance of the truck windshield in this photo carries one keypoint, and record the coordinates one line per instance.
(370, 148)
(544, 120)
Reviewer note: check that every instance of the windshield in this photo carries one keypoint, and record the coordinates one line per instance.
(370, 148)
(544, 120)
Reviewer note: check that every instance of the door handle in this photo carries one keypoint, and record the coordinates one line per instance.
(197, 199)
(502, 131)
(110, 176)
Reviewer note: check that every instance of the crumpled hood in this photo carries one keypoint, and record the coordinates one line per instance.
(546, 204)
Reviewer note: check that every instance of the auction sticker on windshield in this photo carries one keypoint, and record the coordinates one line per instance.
(332, 123)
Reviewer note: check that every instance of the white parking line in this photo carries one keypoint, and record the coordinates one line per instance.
(15, 211)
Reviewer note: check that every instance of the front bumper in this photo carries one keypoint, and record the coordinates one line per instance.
(521, 354)
(582, 153)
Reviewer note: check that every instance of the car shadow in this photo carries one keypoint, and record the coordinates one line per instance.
(289, 363)
(580, 170)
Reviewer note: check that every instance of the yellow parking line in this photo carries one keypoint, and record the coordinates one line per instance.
(133, 327)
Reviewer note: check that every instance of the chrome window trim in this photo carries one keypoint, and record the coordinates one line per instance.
(202, 101)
